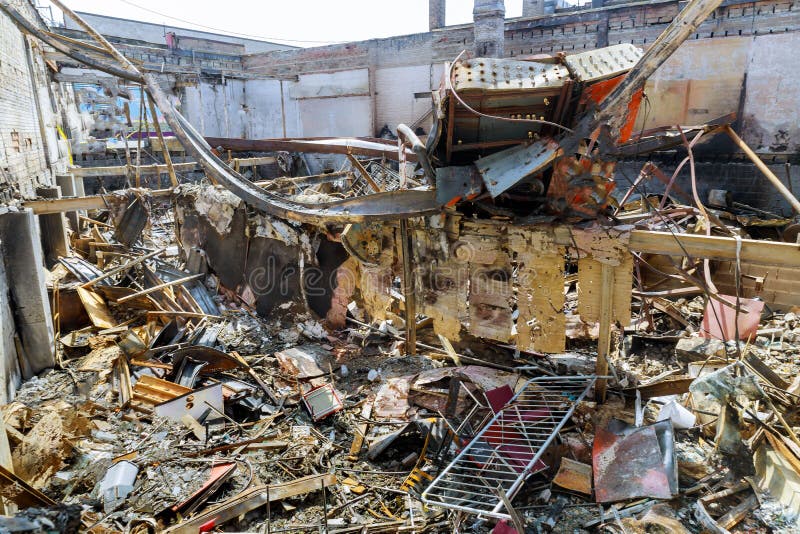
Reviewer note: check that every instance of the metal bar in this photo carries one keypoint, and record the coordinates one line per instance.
(515, 487)
(522, 429)
(782, 189)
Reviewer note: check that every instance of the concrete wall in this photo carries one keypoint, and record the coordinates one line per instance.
(771, 111)
(10, 374)
(32, 107)
(154, 33)
(249, 109)
(403, 94)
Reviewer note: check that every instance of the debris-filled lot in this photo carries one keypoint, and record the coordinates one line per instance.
(481, 332)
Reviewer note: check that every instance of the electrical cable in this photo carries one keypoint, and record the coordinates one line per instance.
(232, 33)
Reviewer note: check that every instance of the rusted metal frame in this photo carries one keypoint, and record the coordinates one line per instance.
(759, 163)
(451, 115)
(609, 110)
(25, 26)
(380, 206)
(454, 93)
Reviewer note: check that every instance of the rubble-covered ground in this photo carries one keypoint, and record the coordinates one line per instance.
(134, 433)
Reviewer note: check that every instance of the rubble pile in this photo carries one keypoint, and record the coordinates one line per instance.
(177, 407)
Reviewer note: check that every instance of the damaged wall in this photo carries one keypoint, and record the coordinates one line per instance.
(32, 107)
(703, 80)
(257, 257)
(27, 130)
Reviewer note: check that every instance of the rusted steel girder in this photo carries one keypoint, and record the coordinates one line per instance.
(380, 206)
(611, 110)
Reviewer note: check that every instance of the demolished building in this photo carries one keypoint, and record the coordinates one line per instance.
(547, 291)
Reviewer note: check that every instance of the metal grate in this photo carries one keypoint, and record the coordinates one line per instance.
(508, 449)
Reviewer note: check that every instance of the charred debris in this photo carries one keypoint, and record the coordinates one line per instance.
(481, 331)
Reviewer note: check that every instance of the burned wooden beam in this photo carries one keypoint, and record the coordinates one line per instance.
(347, 145)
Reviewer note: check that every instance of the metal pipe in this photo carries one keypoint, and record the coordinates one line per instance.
(381, 206)
(782, 189)
(411, 139)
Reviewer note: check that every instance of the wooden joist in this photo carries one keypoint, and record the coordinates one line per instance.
(93, 202)
(122, 170)
(773, 253)
(149, 170)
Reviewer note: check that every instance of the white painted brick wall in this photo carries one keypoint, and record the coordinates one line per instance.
(22, 157)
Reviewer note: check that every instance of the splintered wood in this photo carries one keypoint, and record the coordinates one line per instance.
(541, 323)
(376, 280)
(444, 296)
(475, 273)
(590, 283)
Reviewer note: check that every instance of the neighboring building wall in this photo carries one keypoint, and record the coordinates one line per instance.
(32, 107)
(703, 80)
(436, 14)
(155, 33)
(533, 8)
(489, 26)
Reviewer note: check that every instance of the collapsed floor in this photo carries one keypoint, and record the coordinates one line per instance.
(177, 406)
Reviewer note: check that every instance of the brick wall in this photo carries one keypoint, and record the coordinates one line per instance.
(741, 178)
(739, 60)
(23, 163)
